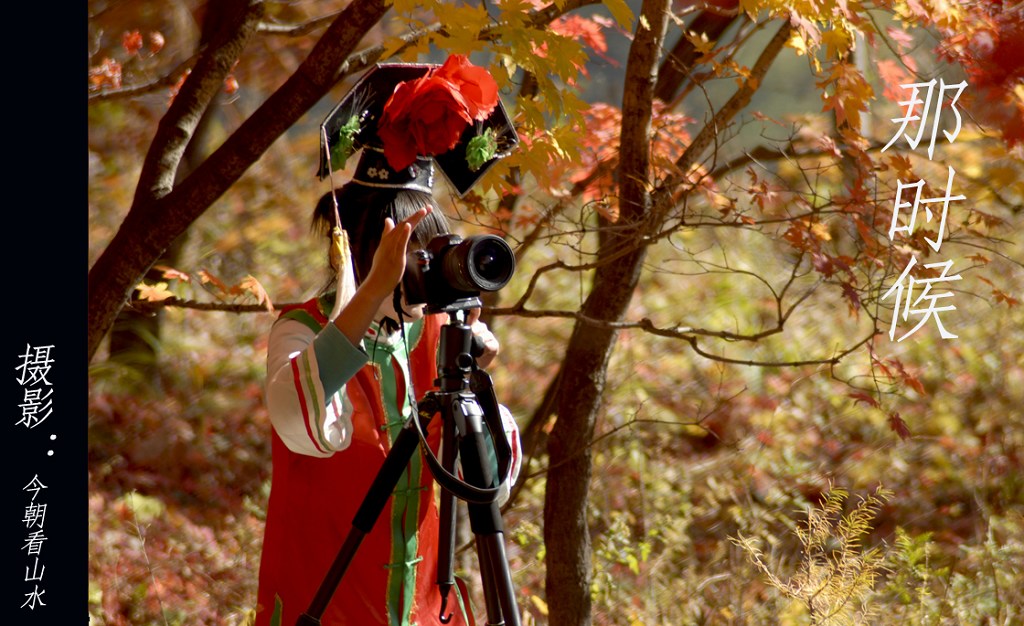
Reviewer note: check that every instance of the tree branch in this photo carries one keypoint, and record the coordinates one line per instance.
(678, 63)
(158, 214)
(169, 79)
(297, 30)
(176, 127)
(151, 307)
(663, 194)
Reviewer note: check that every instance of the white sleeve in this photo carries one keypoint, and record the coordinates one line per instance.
(305, 390)
(512, 434)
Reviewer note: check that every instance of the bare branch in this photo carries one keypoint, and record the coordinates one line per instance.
(662, 197)
(678, 63)
(832, 361)
(575, 192)
(298, 30)
(690, 334)
(146, 306)
(169, 79)
(635, 421)
(158, 214)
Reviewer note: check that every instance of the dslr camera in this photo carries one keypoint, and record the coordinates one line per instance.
(449, 274)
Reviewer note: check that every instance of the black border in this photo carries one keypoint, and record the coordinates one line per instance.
(46, 305)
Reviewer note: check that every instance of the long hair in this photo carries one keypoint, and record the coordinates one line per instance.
(363, 209)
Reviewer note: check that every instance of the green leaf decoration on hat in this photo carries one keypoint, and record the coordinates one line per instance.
(481, 149)
(344, 143)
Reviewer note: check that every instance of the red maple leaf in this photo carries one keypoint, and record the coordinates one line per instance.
(132, 42)
(898, 426)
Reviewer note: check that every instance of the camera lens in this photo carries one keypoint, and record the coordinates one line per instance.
(480, 263)
(492, 263)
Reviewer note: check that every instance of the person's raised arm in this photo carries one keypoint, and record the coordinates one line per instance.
(387, 269)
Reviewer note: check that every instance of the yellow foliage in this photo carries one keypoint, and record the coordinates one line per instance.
(409, 51)
(250, 285)
(798, 43)
(153, 293)
(702, 44)
(821, 231)
(541, 605)
(621, 12)
(463, 24)
(838, 41)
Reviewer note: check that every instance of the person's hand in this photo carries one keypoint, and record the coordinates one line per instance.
(490, 342)
(389, 258)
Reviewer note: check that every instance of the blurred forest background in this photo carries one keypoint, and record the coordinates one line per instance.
(696, 345)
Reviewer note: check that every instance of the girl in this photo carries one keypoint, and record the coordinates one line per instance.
(338, 392)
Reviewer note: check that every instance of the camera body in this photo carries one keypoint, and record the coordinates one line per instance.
(449, 274)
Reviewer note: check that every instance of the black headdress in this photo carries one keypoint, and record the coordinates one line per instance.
(407, 116)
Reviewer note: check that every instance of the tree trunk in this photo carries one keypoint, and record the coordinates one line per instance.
(620, 260)
(135, 335)
(566, 534)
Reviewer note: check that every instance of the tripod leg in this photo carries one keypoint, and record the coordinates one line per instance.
(496, 577)
(485, 520)
(495, 614)
(446, 528)
(404, 446)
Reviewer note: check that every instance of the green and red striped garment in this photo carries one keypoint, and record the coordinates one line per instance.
(335, 409)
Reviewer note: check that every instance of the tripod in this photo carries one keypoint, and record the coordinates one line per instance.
(466, 403)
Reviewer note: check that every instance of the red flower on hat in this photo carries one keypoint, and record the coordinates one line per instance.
(474, 83)
(426, 116)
